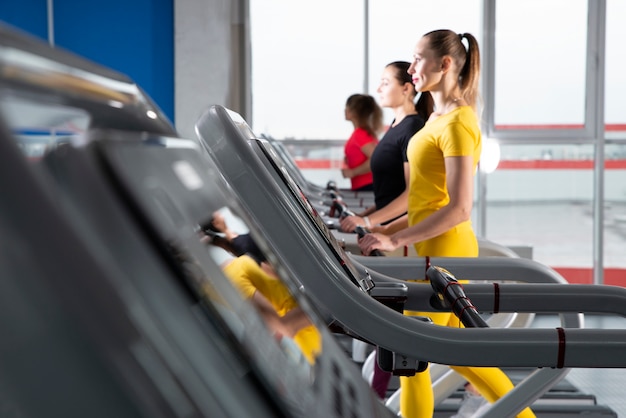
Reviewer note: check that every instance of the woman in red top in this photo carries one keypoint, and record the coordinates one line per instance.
(367, 118)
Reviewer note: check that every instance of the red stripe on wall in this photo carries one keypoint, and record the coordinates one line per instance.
(554, 126)
(318, 164)
(559, 165)
(504, 165)
(576, 275)
(610, 127)
(547, 165)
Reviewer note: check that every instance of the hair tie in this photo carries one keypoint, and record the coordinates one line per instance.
(461, 36)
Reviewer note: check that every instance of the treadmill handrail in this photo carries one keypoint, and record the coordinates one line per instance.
(537, 288)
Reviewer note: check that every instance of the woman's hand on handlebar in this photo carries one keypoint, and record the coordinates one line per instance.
(349, 223)
(375, 241)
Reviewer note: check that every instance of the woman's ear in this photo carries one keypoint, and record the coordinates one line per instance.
(446, 63)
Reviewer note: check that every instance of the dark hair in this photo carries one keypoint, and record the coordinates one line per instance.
(368, 114)
(425, 104)
(446, 42)
(402, 72)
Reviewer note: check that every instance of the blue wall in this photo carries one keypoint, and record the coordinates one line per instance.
(134, 37)
(28, 15)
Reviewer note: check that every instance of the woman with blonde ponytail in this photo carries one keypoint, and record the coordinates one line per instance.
(443, 157)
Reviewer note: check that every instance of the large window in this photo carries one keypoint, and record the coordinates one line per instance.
(542, 192)
(307, 58)
(540, 64)
(540, 197)
(615, 91)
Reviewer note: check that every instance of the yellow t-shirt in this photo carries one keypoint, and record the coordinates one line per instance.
(454, 134)
(248, 277)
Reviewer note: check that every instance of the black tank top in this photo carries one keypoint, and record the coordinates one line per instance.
(387, 161)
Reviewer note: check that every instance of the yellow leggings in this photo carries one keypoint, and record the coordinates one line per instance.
(416, 395)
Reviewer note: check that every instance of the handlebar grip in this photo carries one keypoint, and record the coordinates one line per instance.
(341, 209)
(447, 288)
(360, 231)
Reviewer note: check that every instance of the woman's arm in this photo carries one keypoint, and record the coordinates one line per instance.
(367, 150)
(392, 210)
(460, 184)
(393, 227)
(288, 324)
(295, 320)
(365, 212)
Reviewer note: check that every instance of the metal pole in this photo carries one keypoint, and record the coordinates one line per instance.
(487, 92)
(50, 11)
(596, 54)
(366, 46)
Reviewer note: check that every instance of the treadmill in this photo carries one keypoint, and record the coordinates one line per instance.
(112, 304)
(290, 223)
(83, 338)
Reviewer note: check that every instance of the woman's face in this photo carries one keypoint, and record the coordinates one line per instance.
(426, 69)
(390, 92)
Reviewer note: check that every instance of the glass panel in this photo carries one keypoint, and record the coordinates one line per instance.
(540, 200)
(614, 210)
(319, 162)
(615, 89)
(397, 25)
(307, 58)
(540, 64)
